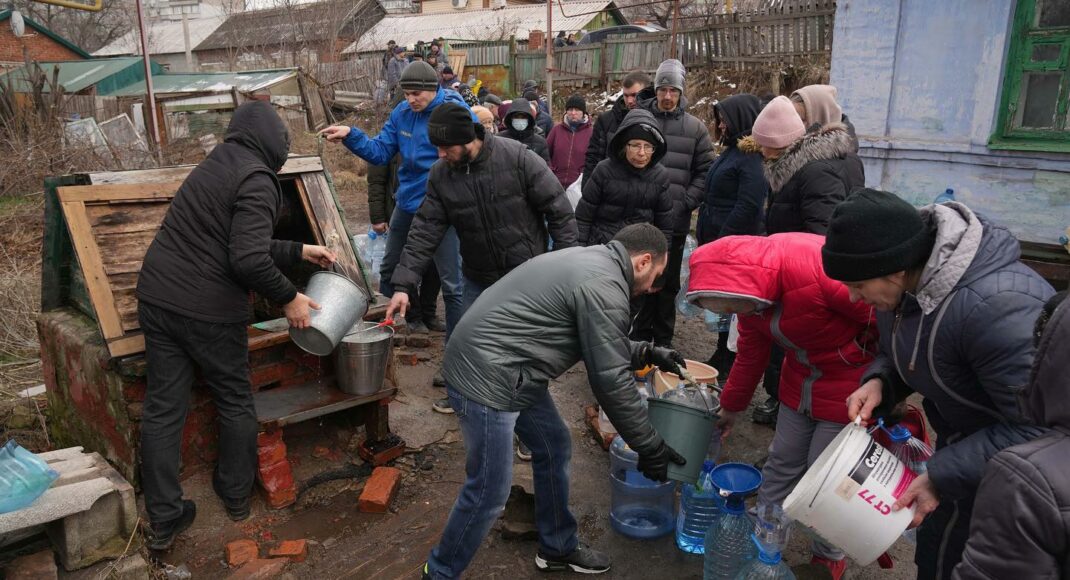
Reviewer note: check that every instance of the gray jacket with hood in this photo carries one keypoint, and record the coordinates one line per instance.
(964, 341)
(1021, 519)
(541, 319)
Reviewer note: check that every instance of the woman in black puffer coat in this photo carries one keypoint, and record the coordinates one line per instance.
(629, 186)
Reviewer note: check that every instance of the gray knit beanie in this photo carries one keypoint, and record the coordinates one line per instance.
(419, 76)
(671, 73)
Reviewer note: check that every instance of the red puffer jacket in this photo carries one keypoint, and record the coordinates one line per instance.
(828, 340)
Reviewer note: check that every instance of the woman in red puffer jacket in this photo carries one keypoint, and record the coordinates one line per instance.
(778, 288)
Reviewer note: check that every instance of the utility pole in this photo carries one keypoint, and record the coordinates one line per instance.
(185, 39)
(148, 80)
(675, 19)
(549, 57)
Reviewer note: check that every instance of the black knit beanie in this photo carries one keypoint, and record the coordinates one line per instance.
(418, 76)
(575, 101)
(451, 124)
(872, 234)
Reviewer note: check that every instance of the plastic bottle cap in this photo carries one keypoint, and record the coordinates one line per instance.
(899, 434)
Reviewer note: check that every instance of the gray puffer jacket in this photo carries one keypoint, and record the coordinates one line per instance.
(689, 156)
(540, 320)
(965, 342)
(1021, 519)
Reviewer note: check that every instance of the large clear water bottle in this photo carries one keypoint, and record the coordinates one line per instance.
(700, 505)
(947, 195)
(686, 308)
(771, 532)
(640, 508)
(728, 542)
(376, 252)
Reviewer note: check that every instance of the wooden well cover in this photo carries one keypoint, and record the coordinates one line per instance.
(112, 222)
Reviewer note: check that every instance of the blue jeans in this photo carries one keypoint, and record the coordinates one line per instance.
(447, 259)
(488, 441)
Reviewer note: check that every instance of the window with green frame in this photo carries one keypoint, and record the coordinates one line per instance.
(1036, 88)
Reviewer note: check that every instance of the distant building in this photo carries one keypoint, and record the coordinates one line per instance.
(37, 43)
(952, 95)
(167, 38)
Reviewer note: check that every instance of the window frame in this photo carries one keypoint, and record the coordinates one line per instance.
(1024, 37)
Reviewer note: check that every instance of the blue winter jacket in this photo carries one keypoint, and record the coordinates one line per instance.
(405, 132)
(964, 340)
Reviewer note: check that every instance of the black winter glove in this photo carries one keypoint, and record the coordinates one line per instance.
(667, 359)
(655, 467)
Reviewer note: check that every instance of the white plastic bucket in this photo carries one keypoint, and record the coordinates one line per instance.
(847, 496)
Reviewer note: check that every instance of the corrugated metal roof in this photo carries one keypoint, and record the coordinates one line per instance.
(166, 36)
(109, 74)
(302, 23)
(176, 83)
(484, 24)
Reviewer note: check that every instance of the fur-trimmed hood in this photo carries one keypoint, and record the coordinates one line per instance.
(832, 141)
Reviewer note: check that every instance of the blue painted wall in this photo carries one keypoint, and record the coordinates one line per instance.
(921, 81)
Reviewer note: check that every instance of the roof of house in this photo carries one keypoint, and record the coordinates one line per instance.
(483, 24)
(221, 82)
(167, 36)
(6, 14)
(316, 21)
(108, 74)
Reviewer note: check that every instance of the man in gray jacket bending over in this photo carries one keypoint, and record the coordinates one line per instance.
(528, 328)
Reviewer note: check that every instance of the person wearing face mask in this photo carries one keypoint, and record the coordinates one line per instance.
(955, 311)
(635, 87)
(531, 326)
(568, 141)
(520, 126)
(777, 288)
(630, 186)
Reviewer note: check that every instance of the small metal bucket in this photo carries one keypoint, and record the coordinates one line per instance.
(342, 304)
(362, 358)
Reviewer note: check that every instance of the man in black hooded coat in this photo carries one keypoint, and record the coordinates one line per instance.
(520, 111)
(213, 247)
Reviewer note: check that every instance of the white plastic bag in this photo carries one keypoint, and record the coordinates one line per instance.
(575, 192)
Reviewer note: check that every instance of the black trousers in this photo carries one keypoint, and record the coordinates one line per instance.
(174, 345)
(942, 538)
(771, 382)
(424, 305)
(655, 314)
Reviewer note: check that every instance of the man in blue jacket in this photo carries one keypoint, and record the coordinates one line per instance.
(405, 132)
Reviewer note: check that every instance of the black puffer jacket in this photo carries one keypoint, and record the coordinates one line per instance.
(501, 205)
(810, 178)
(689, 156)
(543, 318)
(215, 245)
(604, 127)
(529, 136)
(736, 189)
(618, 194)
(1021, 519)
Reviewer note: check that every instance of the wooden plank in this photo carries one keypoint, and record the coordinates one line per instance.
(302, 193)
(127, 345)
(118, 192)
(301, 164)
(177, 173)
(116, 218)
(88, 253)
(333, 229)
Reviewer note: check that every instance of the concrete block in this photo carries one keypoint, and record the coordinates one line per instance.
(89, 513)
(39, 566)
(379, 491)
(239, 552)
(295, 550)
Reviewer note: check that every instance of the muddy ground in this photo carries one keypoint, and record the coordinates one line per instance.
(348, 544)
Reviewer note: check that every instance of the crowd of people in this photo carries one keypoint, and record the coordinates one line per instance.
(846, 301)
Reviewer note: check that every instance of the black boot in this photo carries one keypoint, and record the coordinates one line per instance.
(164, 533)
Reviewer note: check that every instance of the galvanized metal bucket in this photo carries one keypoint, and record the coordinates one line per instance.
(362, 359)
(342, 304)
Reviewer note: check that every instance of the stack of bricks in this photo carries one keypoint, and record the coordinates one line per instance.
(274, 472)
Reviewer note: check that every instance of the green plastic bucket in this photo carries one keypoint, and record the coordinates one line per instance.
(687, 430)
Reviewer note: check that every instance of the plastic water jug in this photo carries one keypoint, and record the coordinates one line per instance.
(23, 477)
(948, 195)
(728, 542)
(700, 505)
(686, 308)
(641, 385)
(640, 508)
(770, 537)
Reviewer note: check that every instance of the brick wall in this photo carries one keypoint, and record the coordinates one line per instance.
(40, 46)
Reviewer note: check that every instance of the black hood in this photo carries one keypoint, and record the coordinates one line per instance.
(257, 127)
(638, 118)
(739, 113)
(1045, 398)
(516, 108)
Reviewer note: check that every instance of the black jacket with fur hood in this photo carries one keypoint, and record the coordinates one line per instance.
(808, 180)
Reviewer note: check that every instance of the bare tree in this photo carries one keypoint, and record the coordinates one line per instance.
(88, 30)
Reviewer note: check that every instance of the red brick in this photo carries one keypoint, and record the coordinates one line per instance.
(295, 550)
(277, 482)
(269, 438)
(407, 358)
(259, 570)
(271, 454)
(379, 491)
(241, 551)
(39, 47)
(604, 439)
(39, 566)
(382, 457)
(320, 451)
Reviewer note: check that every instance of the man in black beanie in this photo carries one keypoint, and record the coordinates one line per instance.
(500, 197)
(955, 310)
